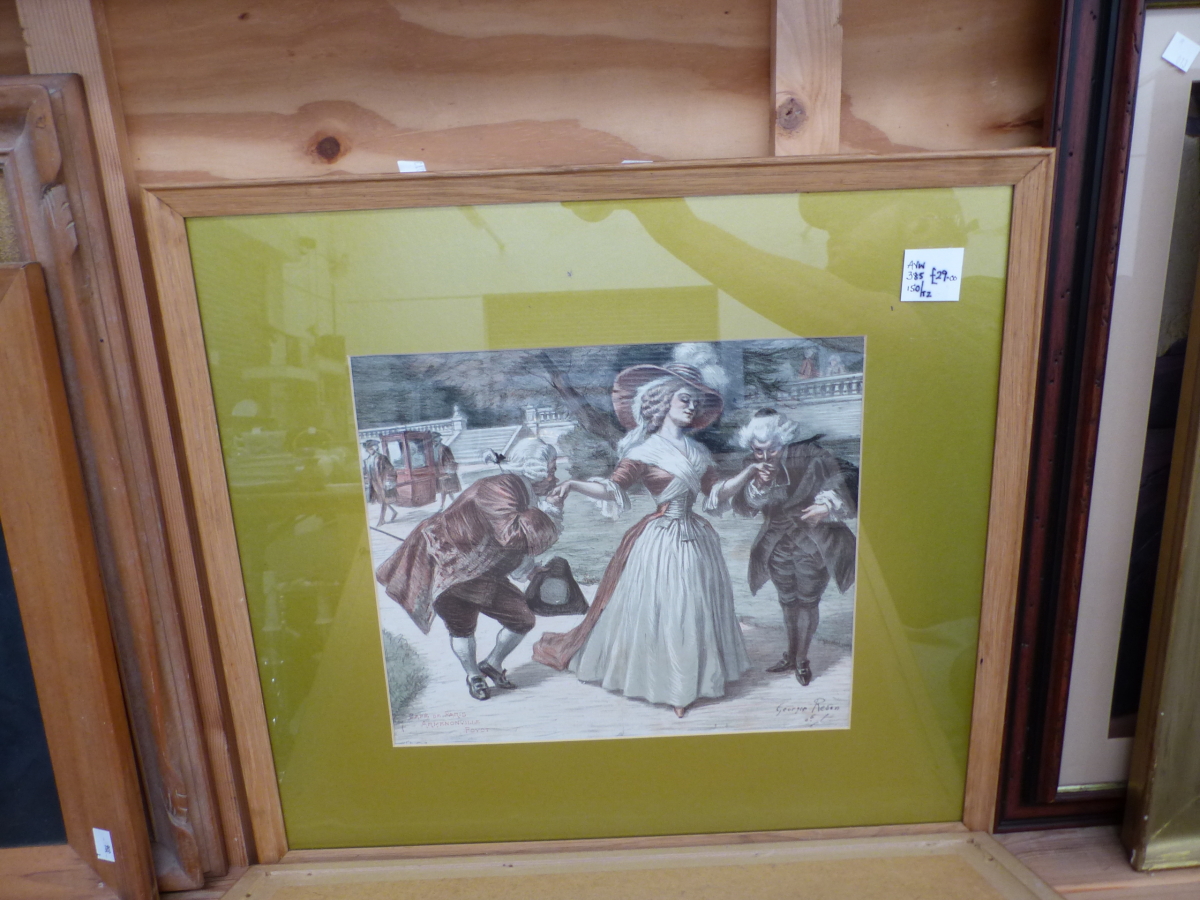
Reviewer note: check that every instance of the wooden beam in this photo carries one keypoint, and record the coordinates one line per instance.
(806, 76)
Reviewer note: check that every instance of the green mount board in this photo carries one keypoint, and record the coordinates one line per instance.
(285, 300)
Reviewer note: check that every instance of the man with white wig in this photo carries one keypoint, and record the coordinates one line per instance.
(802, 492)
(456, 564)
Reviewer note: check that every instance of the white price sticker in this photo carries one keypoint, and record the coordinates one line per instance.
(410, 165)
(1181, 52)
(932, 274)
(104, 847)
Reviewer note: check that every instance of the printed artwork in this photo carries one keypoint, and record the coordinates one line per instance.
(614, 541)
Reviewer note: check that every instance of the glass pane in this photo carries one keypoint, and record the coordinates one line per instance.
(634, 281)
(29, 810)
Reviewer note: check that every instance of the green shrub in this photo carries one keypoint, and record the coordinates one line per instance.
(406, 674)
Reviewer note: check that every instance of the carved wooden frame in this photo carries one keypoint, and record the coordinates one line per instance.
(52, 182)
(166, 210)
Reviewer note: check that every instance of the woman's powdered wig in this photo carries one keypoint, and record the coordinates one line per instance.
(650, 406)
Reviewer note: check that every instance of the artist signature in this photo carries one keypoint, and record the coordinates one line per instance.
(816, 712)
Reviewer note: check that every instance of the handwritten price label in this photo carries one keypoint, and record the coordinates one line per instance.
(104, 844)
(932, 274)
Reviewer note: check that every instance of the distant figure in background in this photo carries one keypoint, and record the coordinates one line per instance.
(805, 500)
(447, 471)
(836, 366)
(380, 477)
(456, 564)
(808, 367)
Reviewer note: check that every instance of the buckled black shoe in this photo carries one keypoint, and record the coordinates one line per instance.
(477, 687)
(784, 665)
(804, 673)
(498, 676)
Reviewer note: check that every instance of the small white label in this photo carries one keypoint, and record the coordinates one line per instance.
(630, 162)
(410, 165)
(1181, 52)
(932, 274)
(104, 847)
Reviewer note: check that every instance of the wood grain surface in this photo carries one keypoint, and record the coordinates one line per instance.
(519, 848)
(228, 89)
(52, 549)
(209, 495)
(12, 42)
(806, 76)
(831, 173)
(60, 218)
(50, 872)
(200, 782)
(1091, 863)
(956, 866)
(1010, 476)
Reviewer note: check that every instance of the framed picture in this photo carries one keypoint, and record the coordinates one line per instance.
(610, 501)
(1161, 828)
(1089, 122)
(1144, 365)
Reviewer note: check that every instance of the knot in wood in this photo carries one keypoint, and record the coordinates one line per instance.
(329, 148)
(790, 114)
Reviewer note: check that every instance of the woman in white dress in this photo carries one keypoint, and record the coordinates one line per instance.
(662, 627)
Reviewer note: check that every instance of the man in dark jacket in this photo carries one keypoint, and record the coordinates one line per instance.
(805, 498)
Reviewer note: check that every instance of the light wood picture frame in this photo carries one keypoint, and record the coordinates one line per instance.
(56, 571)
(167, 211)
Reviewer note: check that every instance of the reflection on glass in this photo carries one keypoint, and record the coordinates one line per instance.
(287, 300)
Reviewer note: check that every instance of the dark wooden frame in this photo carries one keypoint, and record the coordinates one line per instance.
(1090, 121)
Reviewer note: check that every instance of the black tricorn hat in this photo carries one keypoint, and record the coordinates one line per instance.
(553, 590)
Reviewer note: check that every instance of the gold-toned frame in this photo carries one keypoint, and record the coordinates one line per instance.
(166, 209)
(1157, 830)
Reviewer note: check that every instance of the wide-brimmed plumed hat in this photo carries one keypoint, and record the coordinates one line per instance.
(627, 383)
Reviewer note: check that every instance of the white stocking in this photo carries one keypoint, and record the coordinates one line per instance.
(506, 643)
(464, 649)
